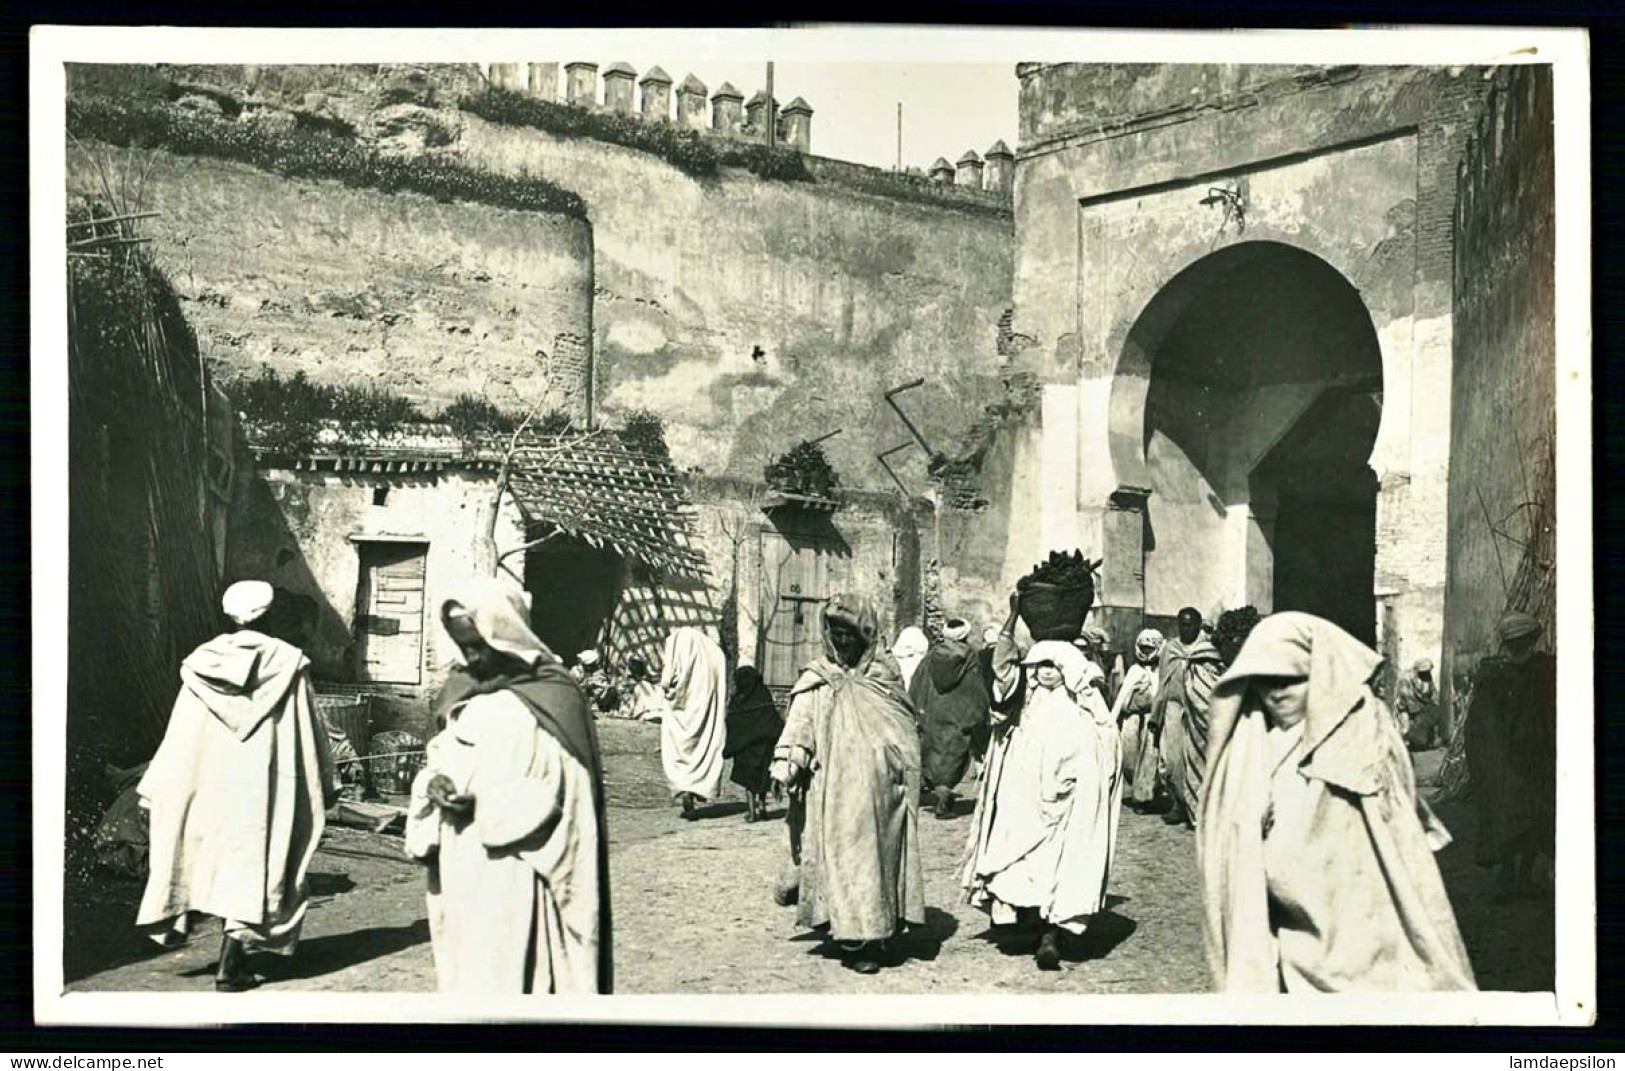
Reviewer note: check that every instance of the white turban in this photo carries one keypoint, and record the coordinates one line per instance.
(247, 600)
(957, 629)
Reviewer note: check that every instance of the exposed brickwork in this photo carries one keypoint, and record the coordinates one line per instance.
(1503, 405)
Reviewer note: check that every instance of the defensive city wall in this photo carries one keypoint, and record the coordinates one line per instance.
(588, 261)
(749, 311)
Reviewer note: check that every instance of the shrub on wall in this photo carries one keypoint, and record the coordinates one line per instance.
(686, 150)
(288, 415)
(922, 191)
(683, 149)
(645, 432)
(303, 153)
(804, 470)
(782, 165)
(470, 415)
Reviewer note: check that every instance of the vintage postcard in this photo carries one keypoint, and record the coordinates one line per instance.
(830, 525)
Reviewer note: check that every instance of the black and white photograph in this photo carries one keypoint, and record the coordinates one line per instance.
(973, 527)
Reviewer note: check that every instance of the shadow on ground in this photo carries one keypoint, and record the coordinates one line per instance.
(1106, 931)
(336, 952)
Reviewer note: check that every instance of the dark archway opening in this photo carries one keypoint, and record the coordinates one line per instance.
(574, 588)
(1261, 375)
(1325, 511)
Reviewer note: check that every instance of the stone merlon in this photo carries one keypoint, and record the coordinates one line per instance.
(1000, 175)
(618, 88)
(797, 118)
(726, 114)
(657, 76)
(656, 99)
(691, 104)
(970, 170)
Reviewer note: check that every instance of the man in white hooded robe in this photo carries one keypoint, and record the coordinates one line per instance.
(237, 793)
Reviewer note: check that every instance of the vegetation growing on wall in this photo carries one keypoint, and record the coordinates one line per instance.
(141, 503)
(471, 415)
(645, 432)
(961, 474)
(686, 150)
(803, 471)
(916, 190)
(289, 416)
(306, 153)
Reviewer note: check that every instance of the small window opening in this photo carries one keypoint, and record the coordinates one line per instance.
(380, 495)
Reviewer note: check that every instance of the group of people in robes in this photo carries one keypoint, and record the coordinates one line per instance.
(1315, 852)
(507, 814)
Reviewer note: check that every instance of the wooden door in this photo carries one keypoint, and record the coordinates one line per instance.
(389, 613)
(796, 576)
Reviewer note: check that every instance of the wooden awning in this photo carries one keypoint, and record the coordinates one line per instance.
(594, 487)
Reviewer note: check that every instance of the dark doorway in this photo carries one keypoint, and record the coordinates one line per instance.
(1324, 535)
(574, 588)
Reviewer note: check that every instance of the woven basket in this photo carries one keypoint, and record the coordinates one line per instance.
(1055, 613)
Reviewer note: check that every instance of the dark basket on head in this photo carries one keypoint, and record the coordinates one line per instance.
(1055, 613)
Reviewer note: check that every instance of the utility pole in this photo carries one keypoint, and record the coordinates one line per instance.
(772, 112)
(899, 135)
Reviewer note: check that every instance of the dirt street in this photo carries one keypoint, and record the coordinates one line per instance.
(694, 913)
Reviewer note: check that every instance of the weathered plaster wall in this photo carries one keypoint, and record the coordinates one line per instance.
(298, 530)
(752, 314)
(362, 287)
(1503, 405)
(875, 541)
(1354, 166)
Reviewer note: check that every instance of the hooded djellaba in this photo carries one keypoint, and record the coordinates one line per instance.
(237, 793)
(850, 751)
(1314, 850)
(508, 813)
(693, 733)
(951, 698)
(1131, 711)
(1190, 666)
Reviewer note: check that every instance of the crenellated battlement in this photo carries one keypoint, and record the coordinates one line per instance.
(723, 112)
(407, 108)
(618, 89)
